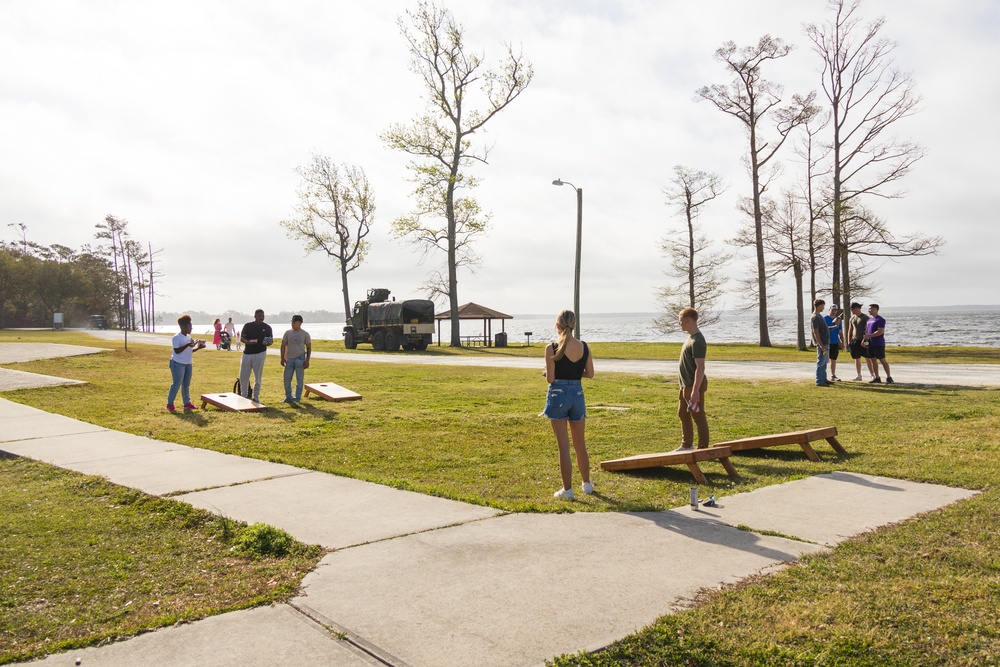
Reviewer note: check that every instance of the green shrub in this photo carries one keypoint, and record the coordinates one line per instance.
(260, 540)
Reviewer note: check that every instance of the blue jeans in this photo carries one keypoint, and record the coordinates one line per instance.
(181, 375)
(822, 357)
(297, 366)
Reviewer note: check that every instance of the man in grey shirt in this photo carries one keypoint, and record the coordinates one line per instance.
(296, 349)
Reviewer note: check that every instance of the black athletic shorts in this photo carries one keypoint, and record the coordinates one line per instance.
(876, 352)
(857, 350)
(834, 350)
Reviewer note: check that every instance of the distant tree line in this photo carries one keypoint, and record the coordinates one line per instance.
(240, 318)
(115, 279)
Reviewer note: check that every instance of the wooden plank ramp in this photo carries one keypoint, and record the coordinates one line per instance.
(231, 402)
(331, 392)
(801, 438)
(691, 458)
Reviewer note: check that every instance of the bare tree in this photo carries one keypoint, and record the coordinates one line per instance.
(788, 236)
(133, 272)
(815, 195)
(866, 237)
(750, 99)
(335, 212)
(866, 95)
(441, 138)
(687, 249)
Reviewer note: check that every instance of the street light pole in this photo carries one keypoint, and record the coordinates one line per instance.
(579, 245)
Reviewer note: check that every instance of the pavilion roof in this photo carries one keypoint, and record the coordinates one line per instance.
(473, 311)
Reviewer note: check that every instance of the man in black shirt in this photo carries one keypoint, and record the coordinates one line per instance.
(256, 336)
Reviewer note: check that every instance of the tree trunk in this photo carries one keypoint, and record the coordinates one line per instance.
(838, 248)
(690, 257)
(456, 331)
(800, 310)
(344, 289)
(758, 223)
(846, 276)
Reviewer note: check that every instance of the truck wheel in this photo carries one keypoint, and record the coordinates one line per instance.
(349, 342)
(422, 345)
(391, 341)
(378, 340)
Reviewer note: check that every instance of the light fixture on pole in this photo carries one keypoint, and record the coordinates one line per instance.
(579, 234)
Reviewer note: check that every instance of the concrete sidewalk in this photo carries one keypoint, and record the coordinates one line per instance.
(423, 581)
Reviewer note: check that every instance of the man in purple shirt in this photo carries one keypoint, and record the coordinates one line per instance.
(875, 341)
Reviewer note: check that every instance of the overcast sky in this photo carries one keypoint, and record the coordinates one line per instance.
(188, 119)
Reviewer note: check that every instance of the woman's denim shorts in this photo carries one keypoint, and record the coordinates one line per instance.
(565, 401)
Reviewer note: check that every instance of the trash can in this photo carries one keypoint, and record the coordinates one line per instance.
(501, 339)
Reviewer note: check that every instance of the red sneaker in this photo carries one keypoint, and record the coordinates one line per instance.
(171, 408)
(190, 406)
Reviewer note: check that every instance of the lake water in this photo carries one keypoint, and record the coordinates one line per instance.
(978, 326)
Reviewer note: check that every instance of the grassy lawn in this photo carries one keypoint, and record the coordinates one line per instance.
(83, 561)
(923, 592)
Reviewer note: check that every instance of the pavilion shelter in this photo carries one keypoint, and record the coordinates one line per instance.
(473, 311)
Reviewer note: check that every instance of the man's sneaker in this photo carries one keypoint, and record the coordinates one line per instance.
(190, 406)
(588, 488)
(563, 494)
(889, 380)
(835, 378)
(171, 408)
(857, 379)
(682, 448)
(875, 381)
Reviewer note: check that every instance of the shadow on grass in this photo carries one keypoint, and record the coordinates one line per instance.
(196, 418)
(790, 455)
(680, 475)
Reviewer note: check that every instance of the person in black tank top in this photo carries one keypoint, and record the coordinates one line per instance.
(566, 362)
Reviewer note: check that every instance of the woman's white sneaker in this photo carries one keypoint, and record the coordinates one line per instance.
(563, 494)
(588, 488)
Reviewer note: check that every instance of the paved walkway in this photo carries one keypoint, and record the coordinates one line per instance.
(423, 581)
(968, 375)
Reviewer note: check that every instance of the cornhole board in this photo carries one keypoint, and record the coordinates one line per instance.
(691, 458)
(331, 392)
(231, 402)
(801, 438)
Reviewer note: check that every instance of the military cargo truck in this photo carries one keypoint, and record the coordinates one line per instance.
(389, 325)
